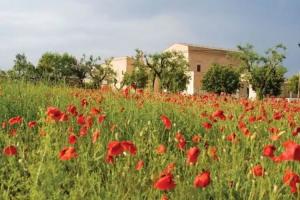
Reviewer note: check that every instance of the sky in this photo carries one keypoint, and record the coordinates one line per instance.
(113, 28)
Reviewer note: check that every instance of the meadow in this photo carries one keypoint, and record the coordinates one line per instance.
(65, 143)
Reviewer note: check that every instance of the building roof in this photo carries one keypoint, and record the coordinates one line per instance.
(206, 47)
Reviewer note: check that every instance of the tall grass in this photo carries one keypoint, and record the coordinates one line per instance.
(37, 173)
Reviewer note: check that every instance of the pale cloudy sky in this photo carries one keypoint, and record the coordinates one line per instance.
(117, 27)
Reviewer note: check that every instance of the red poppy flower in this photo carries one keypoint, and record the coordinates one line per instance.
(95, 111)
(15, 120)
(202, 180)
(81, 120)
(241, 125)
(291, 179)
(10, 150)
(268, 150)
(192, 155)
(181, 141)
(64, 117)
(219, 114)
(196, 139)
(95, 136)
(231, 137)
(246, 131)
(129, 146)
(54, 113)
(67, 153)
(166, 121)
(89, 121)
(296, 131)
(72, 139)
(257, 170)
(72, 109)
(207, 125)
(252, 119)
(32, 124)
(277, 115)
(213, 153)
(101, 118)
(161, 149)
(291, 153)
(139, 165)
(83, 131)
(165, 182)
(84, 102)
(114, 148)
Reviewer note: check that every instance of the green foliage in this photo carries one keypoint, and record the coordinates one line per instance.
(56, 67)
(37, 173)
(221, 79)
(139, 75)
(293, 84)
(267, 79)
(22, 69)
(102, 72)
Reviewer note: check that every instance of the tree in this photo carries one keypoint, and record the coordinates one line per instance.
(102, 72)
(55, 67)
(248, 59)
(167, 70)
(267, 79)
(140, 73)
(22, 68)
(221, 79)
(294, 83)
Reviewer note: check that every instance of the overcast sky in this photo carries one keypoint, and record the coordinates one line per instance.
(116, 27)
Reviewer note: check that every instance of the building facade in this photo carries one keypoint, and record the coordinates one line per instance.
(200, 59)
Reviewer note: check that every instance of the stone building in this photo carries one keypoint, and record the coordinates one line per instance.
(200, 59)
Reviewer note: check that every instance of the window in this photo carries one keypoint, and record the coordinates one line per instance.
(198, 68)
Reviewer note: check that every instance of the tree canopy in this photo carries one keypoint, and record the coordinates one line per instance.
(220, 79)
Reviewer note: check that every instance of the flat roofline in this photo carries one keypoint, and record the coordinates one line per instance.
(122, 58)
(206, 47)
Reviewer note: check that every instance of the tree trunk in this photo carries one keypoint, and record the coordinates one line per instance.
(156, 87)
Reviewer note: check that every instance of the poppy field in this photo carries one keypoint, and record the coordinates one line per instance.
(67, 143)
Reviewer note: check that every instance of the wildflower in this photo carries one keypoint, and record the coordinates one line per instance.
(54, 113)
(291, 179)
(67, 153)
(268, 150)
(81, 120)
(139, 165)
(219, 114)
(129, 146)
(72, 139)
(32, 124)
(166, 121)
(101, 118)
(95, 136)
(72, 109)
(181, 141)
(192, 155)
(207, 125)
(95, 111)
(161, 149)
(257, 170)
(165, 182)
(10, 150)
(291, 153)
(15, 120)
(231, 137)
(196, 139)
(202, 180)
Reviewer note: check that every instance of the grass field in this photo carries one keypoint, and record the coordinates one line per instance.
(96, 144)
